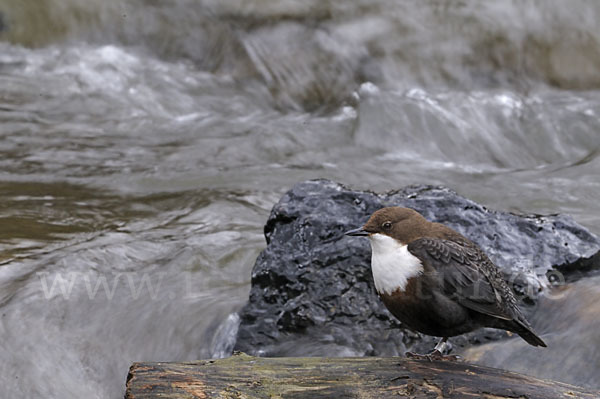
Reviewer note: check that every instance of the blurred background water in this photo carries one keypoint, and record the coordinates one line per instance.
(144, 142)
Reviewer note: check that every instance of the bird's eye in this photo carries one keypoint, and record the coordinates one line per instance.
(387, 225)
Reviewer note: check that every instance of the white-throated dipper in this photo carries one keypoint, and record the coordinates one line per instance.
(436, 281)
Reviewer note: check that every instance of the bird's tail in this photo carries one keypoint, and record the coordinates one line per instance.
(524, 330)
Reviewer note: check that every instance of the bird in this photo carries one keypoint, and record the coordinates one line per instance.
(438, 282)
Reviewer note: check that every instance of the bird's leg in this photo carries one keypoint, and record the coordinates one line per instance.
(442, 346)
(437, 353)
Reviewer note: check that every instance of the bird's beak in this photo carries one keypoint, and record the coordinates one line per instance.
(357, 232)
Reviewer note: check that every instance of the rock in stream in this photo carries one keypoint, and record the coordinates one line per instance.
(312, 290)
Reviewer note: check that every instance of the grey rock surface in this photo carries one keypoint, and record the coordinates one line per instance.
(312, 291)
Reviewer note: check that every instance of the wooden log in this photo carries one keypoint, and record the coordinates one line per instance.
(243, 376)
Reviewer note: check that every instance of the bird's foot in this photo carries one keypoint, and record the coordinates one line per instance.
(437, 353)
(431, 356)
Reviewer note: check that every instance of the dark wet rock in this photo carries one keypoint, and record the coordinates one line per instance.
(312, 291)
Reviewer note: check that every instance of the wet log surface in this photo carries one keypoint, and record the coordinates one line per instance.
(243, 376)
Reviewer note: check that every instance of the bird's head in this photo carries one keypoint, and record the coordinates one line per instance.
(401, 224)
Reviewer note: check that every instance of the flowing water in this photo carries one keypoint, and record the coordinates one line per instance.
(143, 144)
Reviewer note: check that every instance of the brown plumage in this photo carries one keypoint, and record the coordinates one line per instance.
(452, 288)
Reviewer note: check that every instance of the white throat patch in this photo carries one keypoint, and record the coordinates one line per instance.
(392, 264)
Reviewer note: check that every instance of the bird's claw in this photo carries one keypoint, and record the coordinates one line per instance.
(434, 355)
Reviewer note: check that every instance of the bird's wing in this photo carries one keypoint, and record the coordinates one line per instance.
(467, 275)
